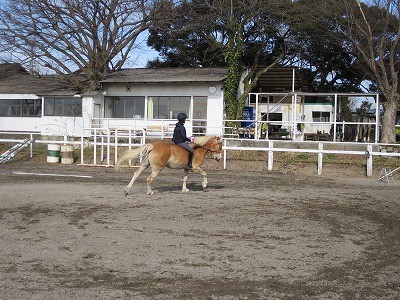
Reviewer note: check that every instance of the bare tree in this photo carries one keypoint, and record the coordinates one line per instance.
(372, 32)
(81, 40)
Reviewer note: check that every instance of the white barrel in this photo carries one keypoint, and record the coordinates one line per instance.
(53, 153)
(67, 154)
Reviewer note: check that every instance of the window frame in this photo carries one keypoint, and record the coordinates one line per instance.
(324, 116)
(170, 108)
(21, 108)
(61, 108)
(127, 103)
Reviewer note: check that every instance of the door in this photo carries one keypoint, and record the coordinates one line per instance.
(96, 115)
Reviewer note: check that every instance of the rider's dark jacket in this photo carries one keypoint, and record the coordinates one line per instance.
(180, 134)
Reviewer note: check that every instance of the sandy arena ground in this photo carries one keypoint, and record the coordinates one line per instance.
(254, 234)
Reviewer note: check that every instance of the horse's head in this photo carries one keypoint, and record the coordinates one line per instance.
(214, 145)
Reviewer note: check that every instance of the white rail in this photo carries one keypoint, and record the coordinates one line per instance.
(368, 152)
(30, 133)
(123, 133)
(106, 139)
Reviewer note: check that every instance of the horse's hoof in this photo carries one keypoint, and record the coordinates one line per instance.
(126, 192)
(150, 193)
(186, 191)
(204, 189)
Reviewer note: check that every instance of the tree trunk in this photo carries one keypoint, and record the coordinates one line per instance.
(389, 120)
(235, 68)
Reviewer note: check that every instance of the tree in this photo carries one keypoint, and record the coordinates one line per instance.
(187, 37)
(372, 33)
(80, 40)
(326, 65)
(231, 33)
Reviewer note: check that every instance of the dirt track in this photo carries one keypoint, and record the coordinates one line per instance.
(251, 235)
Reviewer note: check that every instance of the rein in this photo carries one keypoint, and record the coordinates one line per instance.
(209, 149)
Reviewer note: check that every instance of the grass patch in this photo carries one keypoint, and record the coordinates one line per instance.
(331, 157)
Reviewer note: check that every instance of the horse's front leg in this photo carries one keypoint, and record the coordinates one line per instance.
(202, 172)
(185, 177)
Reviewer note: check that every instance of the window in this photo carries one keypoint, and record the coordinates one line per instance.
(261, 99)
(124, 107)
(21, 108)
(167, 107)
(32, 108)
(63, 106)
(199, 113)
(321, 116)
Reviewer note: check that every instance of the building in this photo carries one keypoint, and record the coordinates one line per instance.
(133, 98)
(42, 104)
(154, 97)
(150, 100)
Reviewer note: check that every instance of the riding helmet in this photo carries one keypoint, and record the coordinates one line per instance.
(182, 116)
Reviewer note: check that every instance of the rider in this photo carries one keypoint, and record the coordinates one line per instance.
(180, 137)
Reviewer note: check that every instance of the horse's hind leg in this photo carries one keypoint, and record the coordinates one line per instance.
(136, 175)
(185, 177)
(150, 179)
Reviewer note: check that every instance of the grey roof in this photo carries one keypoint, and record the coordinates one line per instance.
(279, 79)
(10, 69)
(167, 75)
(14, 79)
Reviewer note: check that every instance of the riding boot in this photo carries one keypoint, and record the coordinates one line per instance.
(190, 160)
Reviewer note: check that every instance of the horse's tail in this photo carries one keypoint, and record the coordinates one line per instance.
(134, 154)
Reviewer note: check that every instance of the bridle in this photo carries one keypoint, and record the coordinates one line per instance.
(211, 150)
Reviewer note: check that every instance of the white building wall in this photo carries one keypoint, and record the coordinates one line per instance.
(73, 126)
(49, 125)
(284, 109)
(215, 113)
(211, 90)
(308, 118)
(19, 123)
(69, 126)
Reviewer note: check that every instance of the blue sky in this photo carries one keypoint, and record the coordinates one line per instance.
(140, 55)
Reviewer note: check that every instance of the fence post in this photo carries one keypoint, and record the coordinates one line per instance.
(31, 146)
(224, 154)
(369, 160)
(116, 146)
(83, 133)
(108, 145)
(320, 148)
(270, 156)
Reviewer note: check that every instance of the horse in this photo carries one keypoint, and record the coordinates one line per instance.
(159, 155)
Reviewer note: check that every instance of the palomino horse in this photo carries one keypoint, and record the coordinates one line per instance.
(159, 155)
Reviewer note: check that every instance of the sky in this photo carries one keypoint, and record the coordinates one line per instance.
(142, 54)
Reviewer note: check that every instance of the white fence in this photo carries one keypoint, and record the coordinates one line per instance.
(19, 133)
(319, 148)
(105, 144)
(106, 140)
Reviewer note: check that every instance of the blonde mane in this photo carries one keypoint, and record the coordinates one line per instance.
(202, 140)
